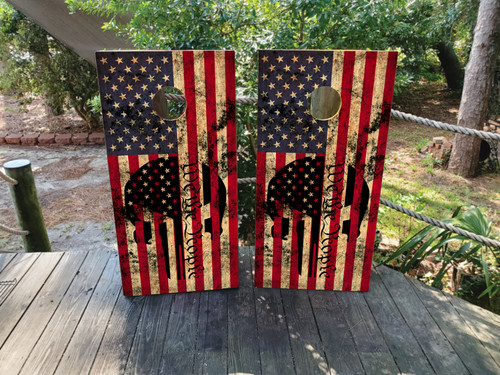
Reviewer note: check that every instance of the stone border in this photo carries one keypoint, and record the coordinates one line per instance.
(52, 138)
(439, 147)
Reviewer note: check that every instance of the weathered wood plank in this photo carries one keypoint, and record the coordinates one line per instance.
(243, 352)
(17, 349)
(470, 350)
(370, 343)
(198, 365)
(182, 331)
(149, 336)
(18, 266)
(212, 343)
(31, 271)
(115, 347)
(6, 285)
(340, 350)
(274, 341)
(433, 342)
(50, 347)
(5, 259)
(384, 330)
(398, 336)
(82, 348)
(307, 348)
(483, 323)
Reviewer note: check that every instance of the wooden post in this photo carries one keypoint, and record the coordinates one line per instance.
(29, 213)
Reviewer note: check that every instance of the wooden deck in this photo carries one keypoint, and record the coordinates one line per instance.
(65, 313)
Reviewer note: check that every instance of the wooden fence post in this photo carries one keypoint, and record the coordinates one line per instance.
(29, 213)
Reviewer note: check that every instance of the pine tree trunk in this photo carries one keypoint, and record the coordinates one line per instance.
(479, 72)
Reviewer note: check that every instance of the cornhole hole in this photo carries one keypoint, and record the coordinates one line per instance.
(172, 167)
(322, 129)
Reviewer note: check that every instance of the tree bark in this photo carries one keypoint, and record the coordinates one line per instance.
(479, 73)
(449, 62)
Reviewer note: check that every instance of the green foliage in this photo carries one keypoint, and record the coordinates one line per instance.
(431, 162)
(450, 249)
(35, 63)
(410, 27)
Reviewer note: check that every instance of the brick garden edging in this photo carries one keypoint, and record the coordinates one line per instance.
(439, 147)
(47, 139)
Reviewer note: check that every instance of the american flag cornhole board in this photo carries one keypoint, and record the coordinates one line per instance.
(319, 181)
(173, 182)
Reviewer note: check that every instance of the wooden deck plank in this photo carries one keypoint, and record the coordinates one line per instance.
(243, 354)
(12, 272)
(483, 323)
(307, 348)
(398, 336)
(434, 344)
(340, 350)
(182, 331)
(149, 336)
(91, 326)
(198, 365)
(5, 259)
(36, 317)
(470, 350)
(370, 343)
(31, 271)
(274, 342)
(50, 347)
(212, 343)
(84, 344)
(115, 347)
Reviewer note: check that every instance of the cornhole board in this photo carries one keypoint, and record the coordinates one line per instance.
(319, 171)
(173, 181)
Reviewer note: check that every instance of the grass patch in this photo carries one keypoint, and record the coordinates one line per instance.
(418, 183)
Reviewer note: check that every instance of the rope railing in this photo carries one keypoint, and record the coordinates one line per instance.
(394, 113)
(385, 202)
(18, 232)
(445, 126)
(10, 180)
(440, 224)
(429, 220)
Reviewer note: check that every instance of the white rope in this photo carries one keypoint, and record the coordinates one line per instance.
(14, 231)
(416, 215)
(247, 180)
(429, 220)
(241, 99)
(394, 113)
(445, 126)
(10, 180)
(419, 120)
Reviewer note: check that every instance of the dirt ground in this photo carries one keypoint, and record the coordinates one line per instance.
(66, 177)
(73, 189)
(35, 117)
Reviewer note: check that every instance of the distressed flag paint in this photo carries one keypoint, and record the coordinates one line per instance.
(173, 180)
(319, 179)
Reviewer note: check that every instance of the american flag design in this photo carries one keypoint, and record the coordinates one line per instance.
(173, 182)
(319, 181)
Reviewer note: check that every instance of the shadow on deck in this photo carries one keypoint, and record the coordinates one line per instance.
(65, 313)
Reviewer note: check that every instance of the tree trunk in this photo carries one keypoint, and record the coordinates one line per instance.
(479, 72)
(449, 62)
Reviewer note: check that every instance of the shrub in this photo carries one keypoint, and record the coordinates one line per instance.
(36, 63)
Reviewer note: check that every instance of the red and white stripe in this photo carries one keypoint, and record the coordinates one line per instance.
(365, 81)
(206, 135)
